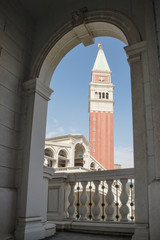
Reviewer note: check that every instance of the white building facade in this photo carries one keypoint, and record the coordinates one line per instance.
(70, 153)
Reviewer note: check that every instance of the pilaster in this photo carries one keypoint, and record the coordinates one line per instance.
(29, 219)
(135, 58)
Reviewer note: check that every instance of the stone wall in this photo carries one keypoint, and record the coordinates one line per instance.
(15, 48)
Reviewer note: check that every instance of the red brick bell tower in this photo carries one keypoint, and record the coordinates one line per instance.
(101, 104)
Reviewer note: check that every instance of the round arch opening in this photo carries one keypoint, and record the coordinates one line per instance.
(97, 24)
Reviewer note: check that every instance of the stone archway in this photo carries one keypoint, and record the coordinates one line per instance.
(94, 24)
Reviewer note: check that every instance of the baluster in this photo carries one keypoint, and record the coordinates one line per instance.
(83, 199)
(109, 199)
(78, 204)
(124, 209)
(117, 199)
(132, 200)
(71, 199)
(103, 203)
(90, 201)
(96, 198)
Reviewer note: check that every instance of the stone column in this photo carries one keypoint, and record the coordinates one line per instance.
(152, 29)
(50, 228)
(136, 58)
(72, 154)
(29, 219)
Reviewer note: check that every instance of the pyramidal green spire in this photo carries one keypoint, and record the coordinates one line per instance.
(101, 63)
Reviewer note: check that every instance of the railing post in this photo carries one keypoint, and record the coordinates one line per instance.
(83, 199)
(71, 199)
(124, 210)
(109, 199)
(96, 198)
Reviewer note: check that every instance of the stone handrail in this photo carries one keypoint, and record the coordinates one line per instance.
(101, 175)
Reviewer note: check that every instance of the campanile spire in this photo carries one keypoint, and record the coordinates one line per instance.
(101, 112)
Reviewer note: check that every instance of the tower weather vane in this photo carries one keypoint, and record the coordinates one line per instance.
(100, 45)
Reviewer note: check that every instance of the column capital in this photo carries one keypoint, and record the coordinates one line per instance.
(134, 51)
(35, 86)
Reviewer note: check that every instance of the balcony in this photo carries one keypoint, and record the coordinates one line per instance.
(100, 202)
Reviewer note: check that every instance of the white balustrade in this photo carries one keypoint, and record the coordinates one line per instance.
(83, 199)
(96, 199)
(105, 200)
(72, 199)
(124, 209)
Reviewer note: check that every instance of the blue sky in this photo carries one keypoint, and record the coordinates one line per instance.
(68, 107)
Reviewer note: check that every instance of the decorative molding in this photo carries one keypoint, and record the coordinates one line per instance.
(134, 51)
(48, 172)
(30, 226)
(35, 86)
(84, 35)
(81, 16)
(78, 16)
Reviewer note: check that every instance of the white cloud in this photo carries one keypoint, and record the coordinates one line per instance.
(124, 156)
(55, 121)
(51, 134)
(57, 132)
(60, 130)
(73, 130)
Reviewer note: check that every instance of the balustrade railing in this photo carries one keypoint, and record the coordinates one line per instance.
(103, 195)
(100, 195)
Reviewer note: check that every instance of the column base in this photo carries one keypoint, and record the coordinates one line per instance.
(154, 209)
(50, 229)
(141, 232)
(30, 229)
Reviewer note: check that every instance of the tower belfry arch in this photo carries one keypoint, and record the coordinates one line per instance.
(93, 24)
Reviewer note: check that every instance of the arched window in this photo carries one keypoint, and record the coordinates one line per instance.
(62, 159)
(48, 152)
(92, 165)
(103, 95)
(107, 95)
(48, 158)
(62, 153)
(79, 152)
(99, 95)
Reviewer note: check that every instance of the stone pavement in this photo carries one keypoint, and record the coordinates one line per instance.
(84, 236)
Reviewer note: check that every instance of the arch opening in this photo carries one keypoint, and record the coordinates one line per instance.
(114, 27)
(49, 158)
(79, 155)
(62, 158)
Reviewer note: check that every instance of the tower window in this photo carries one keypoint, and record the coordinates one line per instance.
(94, 119)
(94, 129)
(107, 95)
(103, 95)
(93, 139)
(99, 95)
(93, 150)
